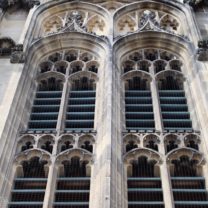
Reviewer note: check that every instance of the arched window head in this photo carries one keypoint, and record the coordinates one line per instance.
(87, 146)
(175, 65)
(130, 142)
(47, 146)
(55, 57)
(25, 143)
(86, 57)
(34, 168)
(151, 54)
(170, 81)
(66, 142)
(74, 167)
(137, 83)
(71, 56)
(86, 142)
(77, 66)
(84, 83)
(144, 66)
(46, 143)
(171, 142)
(61, 67)
(185, 167)
(51, 84)
(159, 66)
(136, 56)
(164, 55)
(66, 145)
(143, 167)
(151, 142)
(131, 145)
(45, 66)
(169, 23)
(92, 66)
(128, 66)
(192, 141)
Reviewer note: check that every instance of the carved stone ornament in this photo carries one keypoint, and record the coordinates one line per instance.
(193, 3)
(148, 22)
(4, 4)
(202, 52)
(6, 46)
(74, 23)
(17, 55)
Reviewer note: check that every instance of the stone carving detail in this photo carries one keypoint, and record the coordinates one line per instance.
(28, 4)
(193, 3)
(202, 52)
(74, 23)
(148, 20)
(6, 46)
(17, 55)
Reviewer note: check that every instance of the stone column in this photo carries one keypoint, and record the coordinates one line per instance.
(51, 184)
(62, 107)
(26, 26)
(166, 186)
(156, 106)
(102, 180)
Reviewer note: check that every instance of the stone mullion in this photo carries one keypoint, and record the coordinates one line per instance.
(166, 185)
(156, 106)
(62, 109)
(51, 184)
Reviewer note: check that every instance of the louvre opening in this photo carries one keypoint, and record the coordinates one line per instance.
(29, 188)
(144, 187)
(73, 185)
(81, 105)
(173, 104)
(188, 186)
(139, 109)
(46, 105)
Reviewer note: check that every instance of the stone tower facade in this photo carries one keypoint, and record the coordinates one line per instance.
(104, 104)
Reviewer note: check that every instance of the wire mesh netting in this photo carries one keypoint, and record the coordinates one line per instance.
(189, 190)
(46, 105)
(173, 105)
(73, 187)
(81, 105)
(144, 189)
(138, 105)
(29, 188)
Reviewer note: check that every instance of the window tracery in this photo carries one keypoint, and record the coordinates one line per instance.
(30, 181)
(46, 143)
(143, 179)
(66, 142)
(73, 180)
(171, 142)
(148, 59)
(151, 142)
(147, 19)
(75, 20)
(187, 178)
(69, 62)
(25, 143)
(192, 141)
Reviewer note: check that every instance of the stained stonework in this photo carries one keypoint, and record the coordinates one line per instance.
(104, 104)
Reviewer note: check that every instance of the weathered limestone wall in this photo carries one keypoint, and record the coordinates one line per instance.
(201, 17)
(12, 23)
